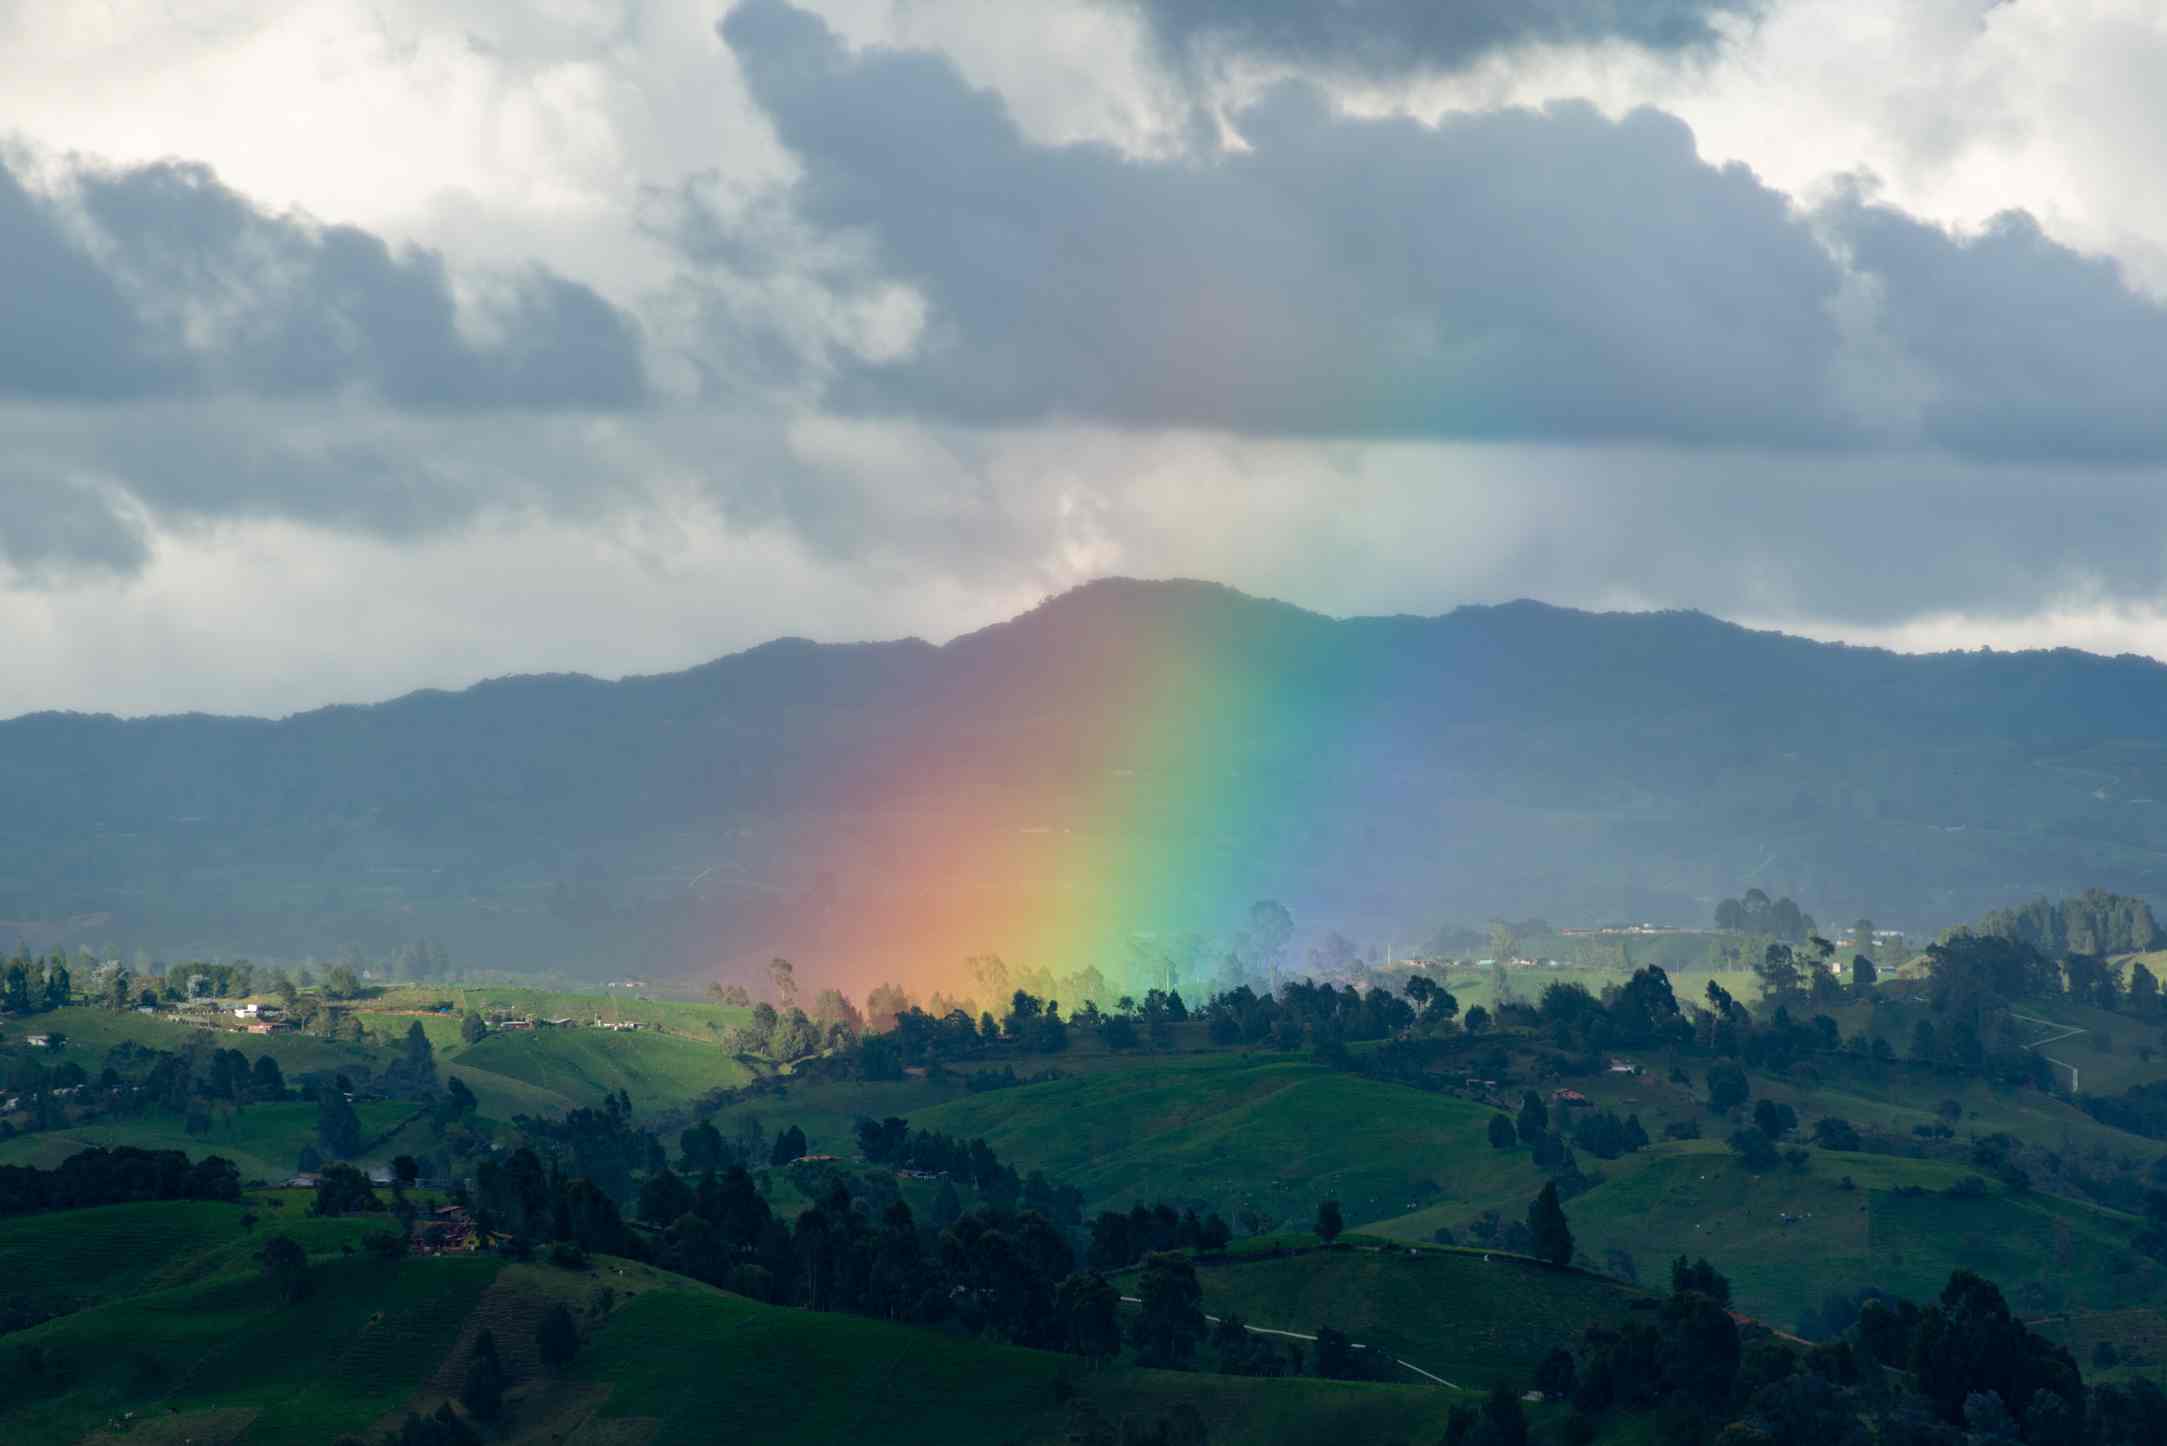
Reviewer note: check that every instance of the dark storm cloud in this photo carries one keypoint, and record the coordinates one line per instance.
(2032, 350)
(1508, 274)
(159, 280)
(1520, 274)
(1397, 36)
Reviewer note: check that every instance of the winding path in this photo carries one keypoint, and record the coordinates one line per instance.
(2068, 1031)
(1298, 1336)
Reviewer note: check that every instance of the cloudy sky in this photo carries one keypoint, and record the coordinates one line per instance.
(350, 346)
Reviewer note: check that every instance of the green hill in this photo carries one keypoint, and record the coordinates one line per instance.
(1473, 1317)
(580, 1066)
(263, 1141)
(1787, 1239)
(188, 1342)
(1244, 1131)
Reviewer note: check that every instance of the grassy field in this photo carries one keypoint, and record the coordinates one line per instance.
(1244, 1131)
(1472, 1317)
(704, 1366)
(113, 1251)
(93, 1032)
(263, 1141)
(2136, 1341)
(1695, 1199)
(190, 1344)
(579, 1066)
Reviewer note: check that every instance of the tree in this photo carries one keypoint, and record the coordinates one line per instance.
(337, 1126)
(1554, 1375)
(1778, 972)
(58, 989)
(1754, 1149)
(1329, 1222)
(1270, 927)
(1089, 1310)
(483, 1391)
(556, 1339)
(1332, 1357)
(789, 1145)
(1553, 1237)
(1726, 1088)
(2143, 991)
(1863, 976)
(1774, 1120)
(784, 975)
(265, 1080)
(416, 1066)
(406, 1170)
(471, 1029)
(285, 1266)
(1534, 1117)
(1502, 1134)
(1171, 1319)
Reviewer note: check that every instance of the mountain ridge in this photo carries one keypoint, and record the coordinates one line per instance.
(1131, 757)
(1082, 592)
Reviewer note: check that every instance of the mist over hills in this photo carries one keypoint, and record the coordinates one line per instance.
(1131, 757)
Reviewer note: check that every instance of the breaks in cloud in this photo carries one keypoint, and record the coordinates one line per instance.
(1395, 36)
(159, 280)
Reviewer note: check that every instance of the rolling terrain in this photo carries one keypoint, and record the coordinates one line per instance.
(1124, 759)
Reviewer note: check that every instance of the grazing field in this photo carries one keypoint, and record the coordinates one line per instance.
(1239, 1131)
(220, 1357)
(580, 1066)
(703, 1366)
(263, 1141)
(1473, 1317)
(1787, 1239)
(2134, 1341)
(110, 1251)
(351, 1351)
(93, 1032)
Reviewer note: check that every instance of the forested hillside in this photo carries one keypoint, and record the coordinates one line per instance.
(1129, 757)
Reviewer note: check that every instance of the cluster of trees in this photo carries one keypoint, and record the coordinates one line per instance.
(892, 1142)
(1327, 1016)
(2094, 923)
(604, 1147)
(790, 1033)
(114, 1177)
(520, 1197)
(1120, 1240)
(1756, 913)
(1601, 1133)
(26, 987)
(1961, 1369)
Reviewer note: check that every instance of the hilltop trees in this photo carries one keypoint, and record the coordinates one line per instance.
(285, 1266)
(1329, 1221)
(2096, 922)
(1757, 914)
(1090, 1313)
(1553, 1238)
(1171, 1320)
(338, 1128)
